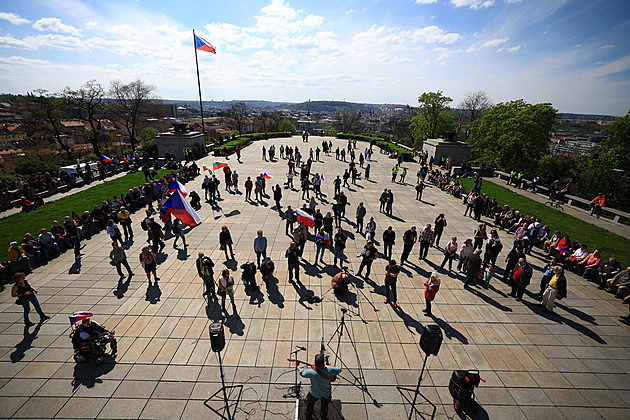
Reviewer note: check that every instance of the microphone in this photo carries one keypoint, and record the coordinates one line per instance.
(301, 348)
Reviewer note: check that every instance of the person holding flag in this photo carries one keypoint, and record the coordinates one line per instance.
(178, 207)
(176, 186)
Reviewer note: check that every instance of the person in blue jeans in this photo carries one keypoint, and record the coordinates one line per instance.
(321, 377)
(260, 247)
(25, 295)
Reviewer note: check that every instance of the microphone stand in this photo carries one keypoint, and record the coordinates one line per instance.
(295, 391)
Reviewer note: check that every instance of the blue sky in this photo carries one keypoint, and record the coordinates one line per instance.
(573, 54)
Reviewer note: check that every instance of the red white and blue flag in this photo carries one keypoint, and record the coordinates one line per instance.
(267, 176)
(78, 316)
(106, 159)
(303, 216)
(176, 186)
(179, 207)
(203, 45)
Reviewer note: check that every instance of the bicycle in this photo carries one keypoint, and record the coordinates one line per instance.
(554, 203)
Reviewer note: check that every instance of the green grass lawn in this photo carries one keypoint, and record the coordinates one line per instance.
(13, 228)
(610, 244)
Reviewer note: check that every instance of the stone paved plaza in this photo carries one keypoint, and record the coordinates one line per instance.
(572, 364)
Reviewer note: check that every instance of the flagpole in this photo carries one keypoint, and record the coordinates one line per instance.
(203, 126)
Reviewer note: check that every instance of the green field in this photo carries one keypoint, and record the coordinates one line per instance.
(610, 244)
(13, 228)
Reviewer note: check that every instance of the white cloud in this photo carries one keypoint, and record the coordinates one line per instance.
(13, 18)
(425, 1)
(57, 42)
(90, 26)
(606, 46)
(280, 18)
(514, 49)
(232, 38)
(513, 1)
(433, 34)
(55, 25)
(473, 4)
(494, 42)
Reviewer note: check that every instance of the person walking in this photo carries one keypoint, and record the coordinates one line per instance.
(124, 217)
(426, 240)
(117, 255)
(450, 250)
(410, 237)
(556, 289)
(419, 189)
(321, 377)
(391, 276)
(292, 254)
(512, 259)
(432, 285)
(178, 232)
(389, 239)
(520, 278)
(361, 211)
(25, 295)
(147, 259)
(368, 255)
(260, 247)
(226, 288)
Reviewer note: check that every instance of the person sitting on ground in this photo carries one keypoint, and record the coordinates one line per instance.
(620, 284)
(607, 271)
(248, 275)
(27, 205)
(340, 282)
(587, 268)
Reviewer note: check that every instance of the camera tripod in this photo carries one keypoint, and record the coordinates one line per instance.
(225, 413)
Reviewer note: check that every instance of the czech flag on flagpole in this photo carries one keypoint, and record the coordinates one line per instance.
(322, 177)
(203, 45)
(218, 165)
(78, 316)
(176, 186)
(105, 159)
(267, 176)
(303, 216)
(178, 207)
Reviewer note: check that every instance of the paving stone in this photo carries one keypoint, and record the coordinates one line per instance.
(40, 407)
(122, 408)
(82, 408)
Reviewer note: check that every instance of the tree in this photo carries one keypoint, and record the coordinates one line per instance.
(434, 117)
(350, 122)
(329, 131)
(239, 113)
(87, 103)
(472, 108)
(132, 100)
(514, 135)
(286, 126)
(149, 143)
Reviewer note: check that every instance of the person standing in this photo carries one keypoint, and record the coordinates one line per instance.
(260, 247)
(383, 200)
(520, 278)
(440, 224)
(367, 171)
(178, 232)
(321, 241)
(292, 254)
(114, 231)
(156, 236)
(361, 211)
(403, 174)
(512, 259)
(321, 377)
(290, 218)
(117, 255)
(390, 202)
(124, 217)
(147, 259)
(73, 235)
(419, 188)
(556, 289)
(226, 288)
(410, 237)
(464, 252)
(300, 235)
(389, 239)
(450, 250)
(493, 248)
(25, 295)
(432, 285)
(368, 255)
(391, 276)
(225, 241)
(426, 240)
(339, 246)
(473, 267)
(249, 185)
(205, 270)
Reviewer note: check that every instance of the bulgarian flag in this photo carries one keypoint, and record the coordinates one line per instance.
(303, 216)
(178, 207)
(205, 168)
(176, 186)
(218, 165)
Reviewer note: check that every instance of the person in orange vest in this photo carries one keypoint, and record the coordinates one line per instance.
(597, 203)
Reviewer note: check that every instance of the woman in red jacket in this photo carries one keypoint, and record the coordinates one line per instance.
(432, 286)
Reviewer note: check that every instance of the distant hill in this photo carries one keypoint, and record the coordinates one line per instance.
(589, 117)
(332, 106)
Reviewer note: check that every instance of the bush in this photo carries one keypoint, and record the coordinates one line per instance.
(230, 146)
(407, 154)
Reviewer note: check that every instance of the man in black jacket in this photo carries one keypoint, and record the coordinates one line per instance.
(512, 259)
(369, 254)
(410, 237)
(361, 211)
(389, 238)
(519, 278)
(293, 258)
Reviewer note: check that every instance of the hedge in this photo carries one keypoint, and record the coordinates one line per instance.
(407, 154)
(230, 146)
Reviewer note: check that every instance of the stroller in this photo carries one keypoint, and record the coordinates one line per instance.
(462, 387)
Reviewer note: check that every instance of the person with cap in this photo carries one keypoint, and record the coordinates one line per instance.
(391, 275)
(432, 285)
(410, 237)
(520, 278)
(389, 238)
(473, 267)
(368, 255)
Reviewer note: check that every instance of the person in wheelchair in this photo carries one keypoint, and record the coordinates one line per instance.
(339, 283)
(86, 334)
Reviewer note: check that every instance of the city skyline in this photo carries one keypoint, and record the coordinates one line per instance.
(573, 54)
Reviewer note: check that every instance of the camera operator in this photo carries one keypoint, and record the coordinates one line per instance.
(205, 270)
(339, 283)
